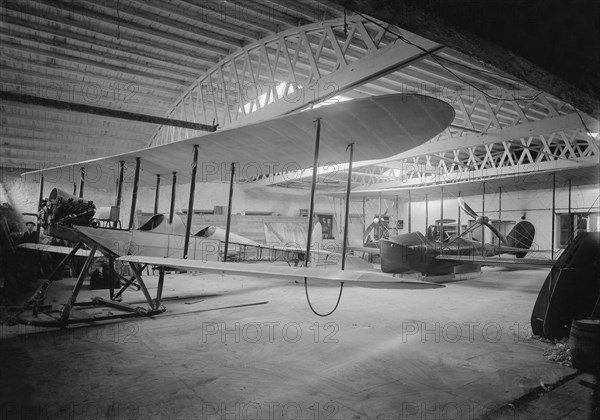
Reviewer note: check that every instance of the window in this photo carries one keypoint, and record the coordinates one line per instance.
(576, 223)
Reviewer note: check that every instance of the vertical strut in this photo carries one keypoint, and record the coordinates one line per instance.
(348, 188)
(312, 191)
(553, 211)
(81, 181)
(191, 202)
(173, 191)
(228, 225)
(136, 180)
(157, 194)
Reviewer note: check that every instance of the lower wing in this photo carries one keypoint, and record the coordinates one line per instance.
(55, 249)
(507, 262)
(350, 277)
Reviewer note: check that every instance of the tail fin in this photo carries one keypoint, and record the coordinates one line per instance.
(521, 236)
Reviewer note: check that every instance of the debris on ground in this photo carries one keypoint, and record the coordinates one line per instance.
(560, 352)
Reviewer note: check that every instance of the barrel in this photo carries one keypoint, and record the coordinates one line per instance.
(584, 341)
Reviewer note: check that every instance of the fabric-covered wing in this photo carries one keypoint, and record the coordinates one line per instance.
(369, 279)
(380, 126)
(55, 249)
(507, 262)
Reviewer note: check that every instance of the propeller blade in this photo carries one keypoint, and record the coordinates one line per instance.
(481, 219)
(463, 205)
(496, 232)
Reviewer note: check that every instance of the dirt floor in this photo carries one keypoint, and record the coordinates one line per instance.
(460, 352)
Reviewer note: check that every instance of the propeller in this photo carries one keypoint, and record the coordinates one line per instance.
(482, 220)
(376, 221)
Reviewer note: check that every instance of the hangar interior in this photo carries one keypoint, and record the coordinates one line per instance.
(96, 97)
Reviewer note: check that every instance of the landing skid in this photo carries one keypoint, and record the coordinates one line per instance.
(99, 309)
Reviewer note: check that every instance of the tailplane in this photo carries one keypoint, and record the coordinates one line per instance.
(521, 236)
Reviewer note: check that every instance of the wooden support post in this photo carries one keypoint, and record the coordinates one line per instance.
(346, 214)
(364, 216)
(570, 216)
(380, 217)
(483, 215)
(173, 191)
(228, 224)
(41, 193)
(41, 197)
(312, 191)
(138, 276)
(188, 226)
(553, 213)
(120, 183)
(136, 180)
(111, 275)
(107, 112)
(409, 211)
(119, 188)
(426, 214)
(499, 218)
(458, 229)
(66, 310)
(81, 181)
(441, 234)
(397, 214)
(161, 282)
(157, 194)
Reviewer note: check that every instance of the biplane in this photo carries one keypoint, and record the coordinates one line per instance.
(414, 252)
(369, 128)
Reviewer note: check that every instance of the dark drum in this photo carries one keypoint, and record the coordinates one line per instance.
(584, 341)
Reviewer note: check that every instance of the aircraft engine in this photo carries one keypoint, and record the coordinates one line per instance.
(64, 208)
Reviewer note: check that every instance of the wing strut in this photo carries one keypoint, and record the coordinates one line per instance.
(348, 187)
(228, 225)
(173, 191)
(191, 202)
(312, 191)
(136, 181)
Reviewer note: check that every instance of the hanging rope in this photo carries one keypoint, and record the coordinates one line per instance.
(310, 305)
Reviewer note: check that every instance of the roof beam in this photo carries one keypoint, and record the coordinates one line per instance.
(104, 82)
(437, 178)
(535, 128)
(126, 11)
(21, 10)
(8, 96)
(198, 14)
(22, 30)
(381, 62)
(20, 48)
(110, 145)
(58, 87)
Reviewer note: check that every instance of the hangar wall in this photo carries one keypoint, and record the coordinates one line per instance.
(22, 194)
(535, 205)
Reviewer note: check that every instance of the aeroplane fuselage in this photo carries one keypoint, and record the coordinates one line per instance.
(413, 252)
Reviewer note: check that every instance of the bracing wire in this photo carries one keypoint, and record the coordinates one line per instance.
(310, 305)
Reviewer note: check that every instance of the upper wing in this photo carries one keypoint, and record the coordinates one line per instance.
(55, 249)
(381, 126)
(516, 262)
(351, 277)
